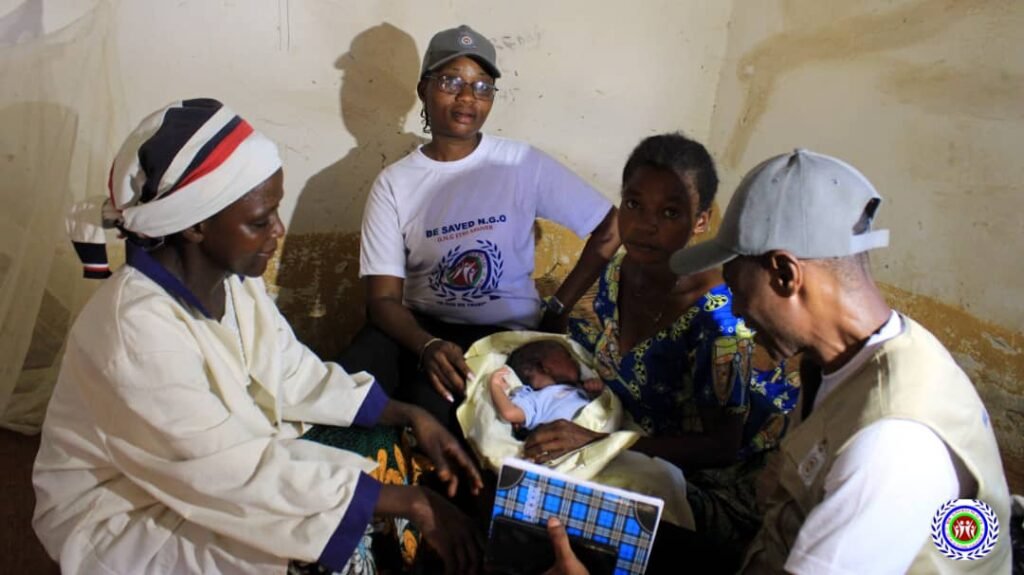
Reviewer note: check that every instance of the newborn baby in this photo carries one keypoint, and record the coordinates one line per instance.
(551, 390)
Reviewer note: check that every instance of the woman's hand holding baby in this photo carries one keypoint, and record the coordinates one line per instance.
(553, 440)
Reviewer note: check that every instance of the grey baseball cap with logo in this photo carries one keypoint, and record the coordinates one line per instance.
(811, 205)
(448, 45)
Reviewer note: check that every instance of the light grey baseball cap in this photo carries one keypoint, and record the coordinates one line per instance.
(448, 45)
(811, 205)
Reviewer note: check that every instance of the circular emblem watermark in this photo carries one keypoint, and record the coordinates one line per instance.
(965, 529)
(466, 40)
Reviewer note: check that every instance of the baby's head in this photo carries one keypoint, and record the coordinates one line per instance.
(539, 364)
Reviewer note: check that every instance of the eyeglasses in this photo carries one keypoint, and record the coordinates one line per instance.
(454, 84)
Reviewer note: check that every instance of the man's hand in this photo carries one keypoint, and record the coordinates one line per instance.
(566, 562)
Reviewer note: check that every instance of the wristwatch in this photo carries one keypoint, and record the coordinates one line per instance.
(554, 305)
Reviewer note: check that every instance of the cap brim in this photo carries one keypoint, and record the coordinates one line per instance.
(703, 256)
(488, 67)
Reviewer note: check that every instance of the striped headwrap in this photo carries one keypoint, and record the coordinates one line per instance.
(180, 166)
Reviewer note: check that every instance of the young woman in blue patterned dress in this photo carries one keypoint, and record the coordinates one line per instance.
(673, 352)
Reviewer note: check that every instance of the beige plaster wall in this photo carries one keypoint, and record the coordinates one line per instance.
(926, 97)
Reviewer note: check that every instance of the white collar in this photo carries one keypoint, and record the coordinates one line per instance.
(892, 328)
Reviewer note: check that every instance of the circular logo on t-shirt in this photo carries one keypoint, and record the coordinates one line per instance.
(468, 276)
(469, 268)
(965, 529)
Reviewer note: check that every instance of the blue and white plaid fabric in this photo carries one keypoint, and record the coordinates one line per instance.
(625, 524)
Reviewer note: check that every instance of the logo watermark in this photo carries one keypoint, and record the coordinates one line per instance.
(965, 529)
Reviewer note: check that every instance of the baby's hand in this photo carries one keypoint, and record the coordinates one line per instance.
(593, 386)
(498, 379)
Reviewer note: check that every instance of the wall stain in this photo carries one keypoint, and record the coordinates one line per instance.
(556, 252)
(991, 356)
(981, 92)
(841, 40)
(528, 41)
(321, 295)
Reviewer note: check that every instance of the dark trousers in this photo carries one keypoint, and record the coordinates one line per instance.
(396, 369)
(677, 550)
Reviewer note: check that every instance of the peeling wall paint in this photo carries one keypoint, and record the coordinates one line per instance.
(558, 249)
(315, 280)
(992, 356)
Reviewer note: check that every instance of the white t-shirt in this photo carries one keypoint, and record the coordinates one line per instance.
(461, 233)
(885, 486)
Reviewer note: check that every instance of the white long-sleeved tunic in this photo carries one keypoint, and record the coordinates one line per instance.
(171, 443)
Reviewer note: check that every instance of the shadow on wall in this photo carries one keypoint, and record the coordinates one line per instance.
(317, 276)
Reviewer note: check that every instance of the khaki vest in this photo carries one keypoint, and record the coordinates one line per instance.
(911, 376)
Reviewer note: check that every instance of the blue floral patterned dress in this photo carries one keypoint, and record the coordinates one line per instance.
(702, 360)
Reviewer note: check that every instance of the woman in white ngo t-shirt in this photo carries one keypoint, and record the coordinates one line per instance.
(447, 238)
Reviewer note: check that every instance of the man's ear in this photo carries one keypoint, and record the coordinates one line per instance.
(787, 273)
(195, 233)
(421, 89)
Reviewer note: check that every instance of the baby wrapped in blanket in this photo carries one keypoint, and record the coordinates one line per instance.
(552, 387)
(607, 460)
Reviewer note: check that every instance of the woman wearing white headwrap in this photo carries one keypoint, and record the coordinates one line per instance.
(171, 444)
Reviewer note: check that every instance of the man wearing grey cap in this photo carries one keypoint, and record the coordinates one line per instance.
(896, 430)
